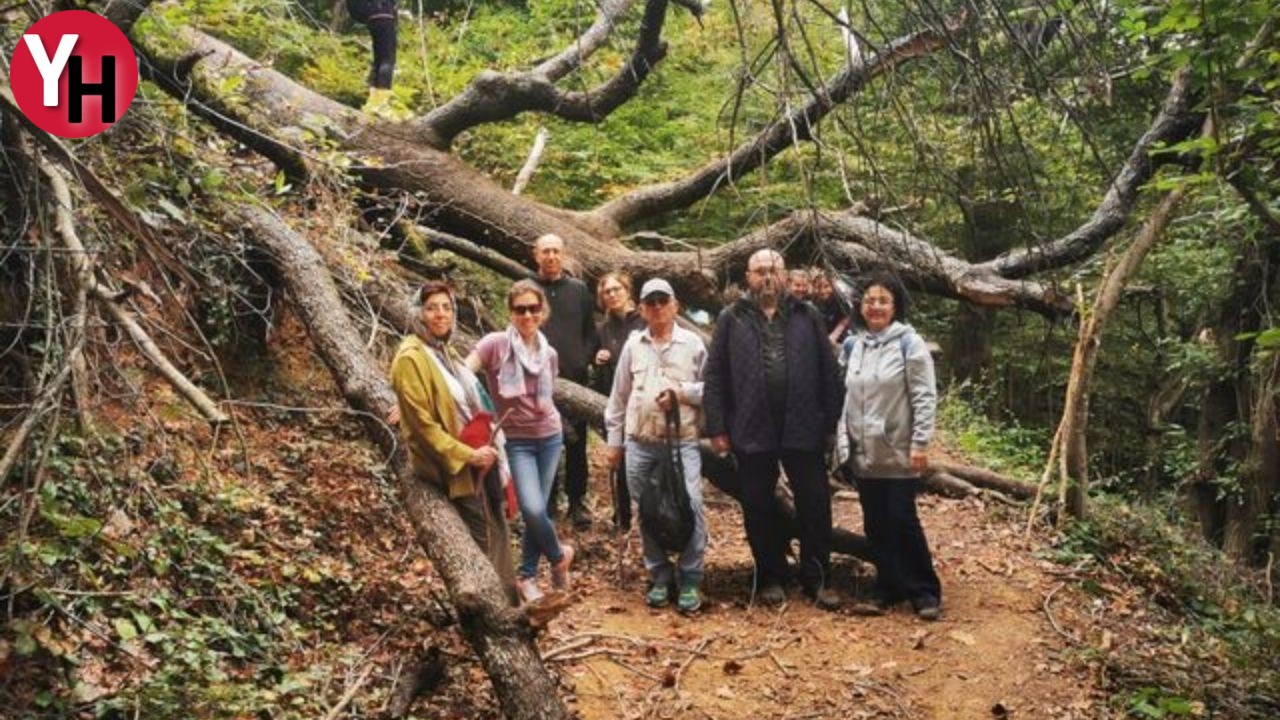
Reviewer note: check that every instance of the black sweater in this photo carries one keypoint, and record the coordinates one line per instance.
(572, 327)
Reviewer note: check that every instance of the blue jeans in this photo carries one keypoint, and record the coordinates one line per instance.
(642, 465)
(533, 468)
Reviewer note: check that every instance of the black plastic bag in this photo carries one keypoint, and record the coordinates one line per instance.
(666, 511)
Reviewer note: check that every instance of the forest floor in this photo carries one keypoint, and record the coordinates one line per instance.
(295, 573)
(995, 653)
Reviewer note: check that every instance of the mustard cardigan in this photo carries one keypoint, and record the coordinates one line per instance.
(429, 422)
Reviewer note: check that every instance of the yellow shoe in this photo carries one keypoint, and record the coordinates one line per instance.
(383, 103)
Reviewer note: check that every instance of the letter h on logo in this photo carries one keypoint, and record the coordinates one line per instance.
(78, 89)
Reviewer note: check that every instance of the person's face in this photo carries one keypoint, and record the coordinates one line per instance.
(548, 253)
(614, 295)
(765, 276)
(659, 311)
(799, 286)
(526, 313)
(822, 288)
(877, 308)
(437, 314)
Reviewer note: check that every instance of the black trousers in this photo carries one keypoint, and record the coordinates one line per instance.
(904, 567)
(575, 463)
(767, 533)
(383, 32)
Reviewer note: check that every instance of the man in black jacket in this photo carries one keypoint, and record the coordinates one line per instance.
(773, 396)
(571, 330)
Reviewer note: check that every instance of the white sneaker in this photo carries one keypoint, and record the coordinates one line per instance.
(528, 590)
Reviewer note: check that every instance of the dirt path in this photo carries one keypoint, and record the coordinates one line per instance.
(995, 653)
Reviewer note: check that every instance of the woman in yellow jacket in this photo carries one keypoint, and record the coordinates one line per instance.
(437, 395)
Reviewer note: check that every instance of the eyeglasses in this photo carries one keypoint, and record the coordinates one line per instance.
(657, 300)
(526, 309)
(882, 302)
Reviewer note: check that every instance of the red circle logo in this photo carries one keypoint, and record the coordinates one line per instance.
(73, 74)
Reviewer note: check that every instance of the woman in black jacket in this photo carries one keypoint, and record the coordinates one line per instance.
(613, 296)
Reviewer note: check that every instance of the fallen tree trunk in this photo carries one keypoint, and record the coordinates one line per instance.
(987, 479)
(499, 633)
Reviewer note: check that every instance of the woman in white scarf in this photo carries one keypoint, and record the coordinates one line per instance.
(522, 366)
(436, 396)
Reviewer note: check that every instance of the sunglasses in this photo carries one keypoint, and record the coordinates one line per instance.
(657, 300)
(526, 309)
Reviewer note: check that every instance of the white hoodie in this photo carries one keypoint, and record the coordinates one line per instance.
(889, 404)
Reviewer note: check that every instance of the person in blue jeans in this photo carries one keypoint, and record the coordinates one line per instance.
(521, 367)
(660, 369)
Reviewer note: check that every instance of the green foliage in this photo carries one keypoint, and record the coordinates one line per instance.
(1216, 605)
(966, 425)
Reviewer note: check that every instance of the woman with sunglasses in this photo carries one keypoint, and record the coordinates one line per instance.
(613, 296)
(521, 366)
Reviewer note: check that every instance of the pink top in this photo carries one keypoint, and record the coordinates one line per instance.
(527, 421)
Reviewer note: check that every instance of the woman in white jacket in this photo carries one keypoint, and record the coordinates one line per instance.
(884, 434)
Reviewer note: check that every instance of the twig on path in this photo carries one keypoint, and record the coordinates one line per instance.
(574, 644)
(1053, 620)
(350, 693)
(782, 668)
(697, 652)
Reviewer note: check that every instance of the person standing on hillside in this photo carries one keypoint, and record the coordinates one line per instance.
(772, 396)
(660, 369)
(885, 428)
(436, 396)
(380, 17)
(521, 367)
(571, 330)
(613, 295)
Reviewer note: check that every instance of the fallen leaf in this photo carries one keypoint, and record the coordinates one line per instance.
(999, 710)
(724, 692)
(962, 637)
(732, 667)
(668, 678)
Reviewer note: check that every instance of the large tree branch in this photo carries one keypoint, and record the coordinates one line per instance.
(1175, 122)
(786, 131)
(497, 631)
(494, 96)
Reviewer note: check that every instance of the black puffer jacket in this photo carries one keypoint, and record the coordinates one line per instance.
(735, 399)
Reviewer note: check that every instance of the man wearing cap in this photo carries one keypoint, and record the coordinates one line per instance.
(571, 330)
(773, 397)
(660, 368)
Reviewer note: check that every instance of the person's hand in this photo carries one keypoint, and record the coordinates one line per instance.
(615, 458)
(720, 443)
(919, 460)
(483, 457)
(602, 357)
(667, 400)
(393, 417)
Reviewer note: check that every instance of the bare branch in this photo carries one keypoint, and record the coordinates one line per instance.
(494, 96)
(780, 135)
(531, 163)
(66, 229)
(1175, 122)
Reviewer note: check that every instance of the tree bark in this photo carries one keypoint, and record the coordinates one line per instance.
(1072, 431)
(494, 96)
(499, 633)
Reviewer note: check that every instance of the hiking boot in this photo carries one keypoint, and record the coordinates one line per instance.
(825, 598)
(690, 600)
(658, 596)
(580, 516)
(772, 594)
(528, 590)
(560, 570)
(872, 607)
(928, 609)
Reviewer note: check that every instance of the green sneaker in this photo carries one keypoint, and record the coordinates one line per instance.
(690, 600)
(658, 596)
